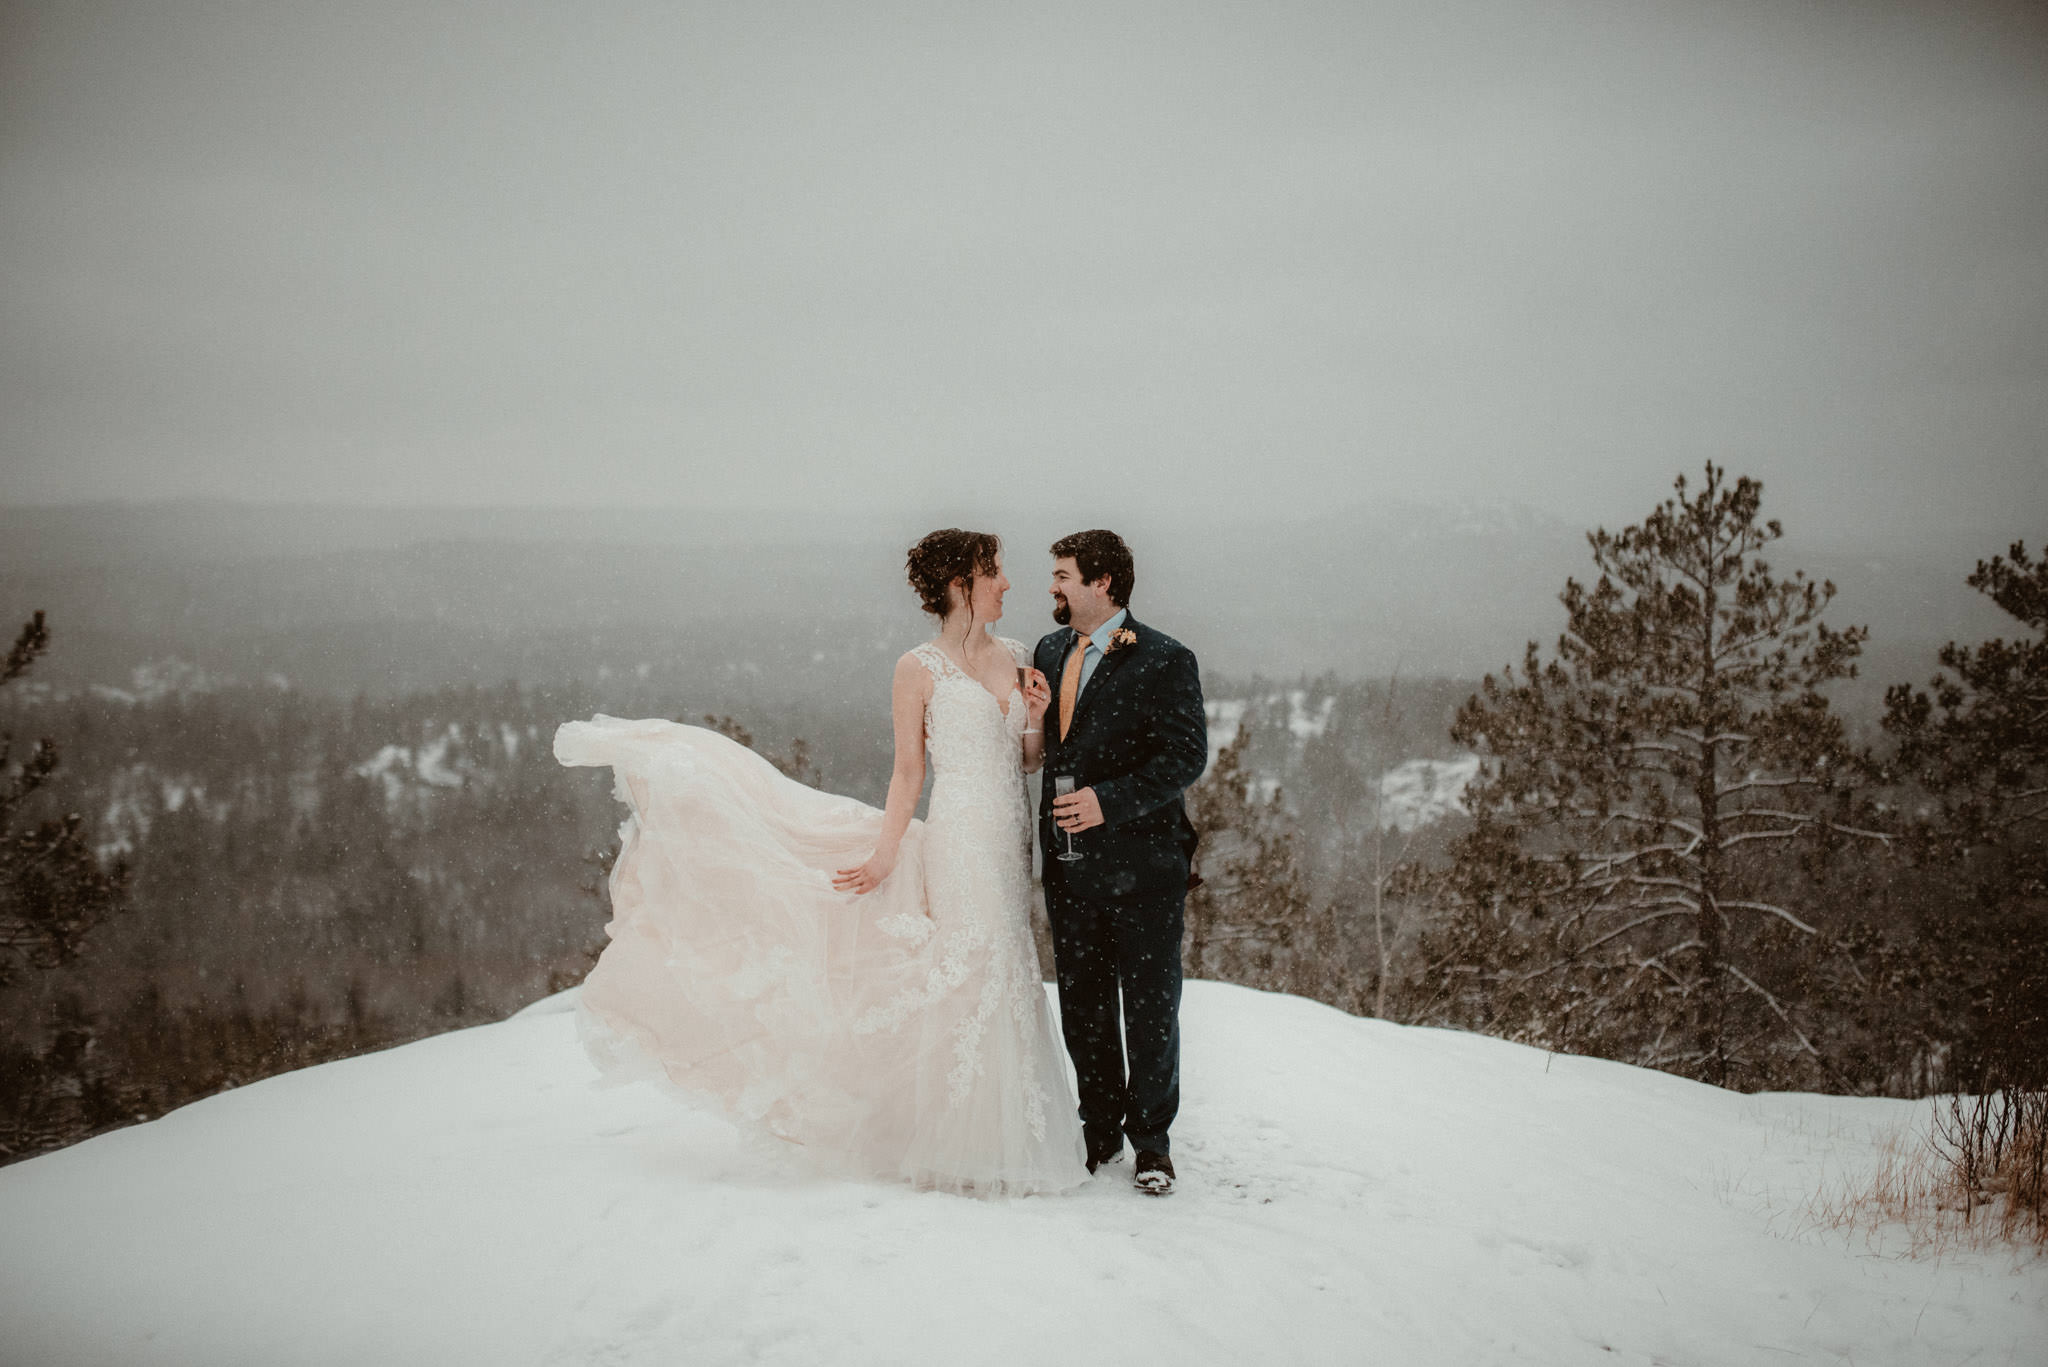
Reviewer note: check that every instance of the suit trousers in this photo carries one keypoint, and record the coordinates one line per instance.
(1103, 947)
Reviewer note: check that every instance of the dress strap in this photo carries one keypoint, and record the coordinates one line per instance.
(933, 659)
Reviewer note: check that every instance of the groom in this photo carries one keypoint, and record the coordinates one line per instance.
(1126, 724)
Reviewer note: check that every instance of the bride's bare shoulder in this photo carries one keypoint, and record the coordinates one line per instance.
(915, 668)
(1019, 652)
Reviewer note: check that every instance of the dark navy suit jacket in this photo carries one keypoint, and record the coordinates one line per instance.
(1139, 739)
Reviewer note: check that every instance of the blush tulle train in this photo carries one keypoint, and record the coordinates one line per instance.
(903, 1034)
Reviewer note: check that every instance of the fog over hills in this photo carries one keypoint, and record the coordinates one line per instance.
(385, 599)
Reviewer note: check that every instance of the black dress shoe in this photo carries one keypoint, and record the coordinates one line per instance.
(1105, 1153)
(1155, 1174)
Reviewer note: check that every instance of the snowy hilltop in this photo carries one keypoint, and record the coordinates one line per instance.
(1352, 1191)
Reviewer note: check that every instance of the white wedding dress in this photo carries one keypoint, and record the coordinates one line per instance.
(903, 1034)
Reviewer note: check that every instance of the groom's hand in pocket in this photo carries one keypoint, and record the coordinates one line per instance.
(1077, 811)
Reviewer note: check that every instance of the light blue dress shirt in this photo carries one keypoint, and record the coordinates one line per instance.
(1094, 652)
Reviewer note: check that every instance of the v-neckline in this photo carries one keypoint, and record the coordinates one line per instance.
(1002, 704)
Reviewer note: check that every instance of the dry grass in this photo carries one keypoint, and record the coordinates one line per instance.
(1995, 1150)
(1967, 1177)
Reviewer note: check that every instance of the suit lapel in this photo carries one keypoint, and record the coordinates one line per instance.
(1104, 667)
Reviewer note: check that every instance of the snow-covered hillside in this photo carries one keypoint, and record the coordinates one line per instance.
(1417, 792)
(1352, 1192)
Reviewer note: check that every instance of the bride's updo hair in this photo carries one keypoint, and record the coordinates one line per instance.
(946, 555)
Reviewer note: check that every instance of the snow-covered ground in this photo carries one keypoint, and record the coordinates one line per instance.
(1352, 1192)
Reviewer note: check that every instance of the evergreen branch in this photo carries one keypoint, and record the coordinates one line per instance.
(1782, 833)
(1604, 869)
(1641, 880)
(1613, 857)
(1774, 910)
(1743, 644)
(1656, 1048)
(1686, 692)
(1656, 961)
(1674, 768)
(1783, 1015)
(1798, 781)
(1685, 571)
(2014, 819)
(1641, 819)
(1808, 818)
(1718, 738)
(1687, 909)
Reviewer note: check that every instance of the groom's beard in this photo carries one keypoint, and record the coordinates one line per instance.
(1061, 613)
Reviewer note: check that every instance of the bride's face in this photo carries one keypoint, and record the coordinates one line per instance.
(987, 596)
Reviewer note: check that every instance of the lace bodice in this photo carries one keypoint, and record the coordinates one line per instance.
(975, 739)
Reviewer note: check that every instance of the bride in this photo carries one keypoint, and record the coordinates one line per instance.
(857, 982)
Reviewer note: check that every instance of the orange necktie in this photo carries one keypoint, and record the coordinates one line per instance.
(1070, 684)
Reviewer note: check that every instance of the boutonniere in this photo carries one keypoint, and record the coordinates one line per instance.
(1122, 636)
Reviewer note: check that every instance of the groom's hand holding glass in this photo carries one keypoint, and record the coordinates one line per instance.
(1077, 811)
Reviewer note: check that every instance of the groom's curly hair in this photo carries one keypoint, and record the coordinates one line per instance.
(1096, 553)
(946, 555)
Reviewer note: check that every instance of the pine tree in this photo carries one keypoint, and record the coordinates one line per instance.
(1980, 741)
(1250, 920)
(53, 890)
(1625, 888)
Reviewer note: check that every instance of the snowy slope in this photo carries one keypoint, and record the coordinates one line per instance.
(1352, 1192)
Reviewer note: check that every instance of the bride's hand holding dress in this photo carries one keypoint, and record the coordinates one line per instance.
(910, 697)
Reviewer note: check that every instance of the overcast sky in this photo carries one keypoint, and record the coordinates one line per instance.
(1261, 257)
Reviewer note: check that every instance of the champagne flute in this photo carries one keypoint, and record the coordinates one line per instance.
(1063, 786)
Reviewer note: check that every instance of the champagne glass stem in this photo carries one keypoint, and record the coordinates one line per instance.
(1063, 786)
